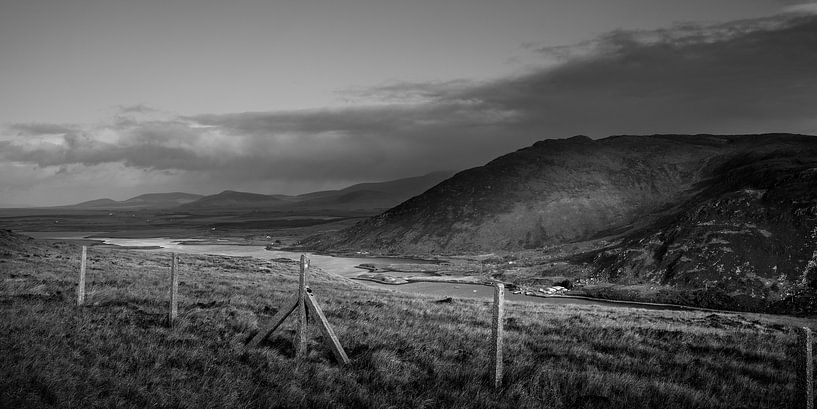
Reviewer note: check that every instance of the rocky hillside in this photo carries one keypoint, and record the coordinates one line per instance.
(748, 240)
(716, 221)
(556, 191)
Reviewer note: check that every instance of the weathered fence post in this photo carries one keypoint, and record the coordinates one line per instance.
(805, 375)
(496, 345)
(81, 285)
(174, 290)
(302, 301)
(328, 332)
(300, 348)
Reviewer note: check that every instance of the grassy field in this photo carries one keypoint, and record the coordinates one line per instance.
(406, 351)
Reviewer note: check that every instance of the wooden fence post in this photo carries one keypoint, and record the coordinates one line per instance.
(174, 290)
(328, 332)
(805, 375)
(301, 341)
(81, 285)
(303, 301)
(496, 345)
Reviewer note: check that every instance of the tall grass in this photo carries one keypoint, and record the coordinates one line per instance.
(406, 350)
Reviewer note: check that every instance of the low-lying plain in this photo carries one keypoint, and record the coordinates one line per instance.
(406, 350)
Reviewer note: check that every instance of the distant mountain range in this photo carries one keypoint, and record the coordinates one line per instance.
(146, 201)
(380, 195)
(733, 217)
(233, 199)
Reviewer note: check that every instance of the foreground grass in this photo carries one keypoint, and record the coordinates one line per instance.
(406, 351)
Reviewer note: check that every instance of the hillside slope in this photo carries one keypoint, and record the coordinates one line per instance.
(379, 195)
(748, 240)
(715, 221)
(97, 204)
(555, 191)
(232, 199)
(161, 200)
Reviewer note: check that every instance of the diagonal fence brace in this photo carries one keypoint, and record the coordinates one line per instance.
(277, 320)
(331, 339)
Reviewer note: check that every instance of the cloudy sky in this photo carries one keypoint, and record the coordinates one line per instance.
(106, 98)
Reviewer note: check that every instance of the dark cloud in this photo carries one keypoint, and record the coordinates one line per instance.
(369, 143)
(41, 129)
(746, 76)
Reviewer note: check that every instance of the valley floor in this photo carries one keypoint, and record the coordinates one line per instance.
(406, 351)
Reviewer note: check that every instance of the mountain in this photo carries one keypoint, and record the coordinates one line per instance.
(98, 204)
(552, 192)
(146, 201)
(233, 199)
(368, 196)
(380, 195)
(559, 191)
(407, 187)
(161, 200)
(746, 240)
(716, 221)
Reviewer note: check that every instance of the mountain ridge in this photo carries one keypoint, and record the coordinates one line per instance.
(143, 201)
(542, 186)
(369, 195)
(720, 221)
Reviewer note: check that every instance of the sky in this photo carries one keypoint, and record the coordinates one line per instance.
(108, 98)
